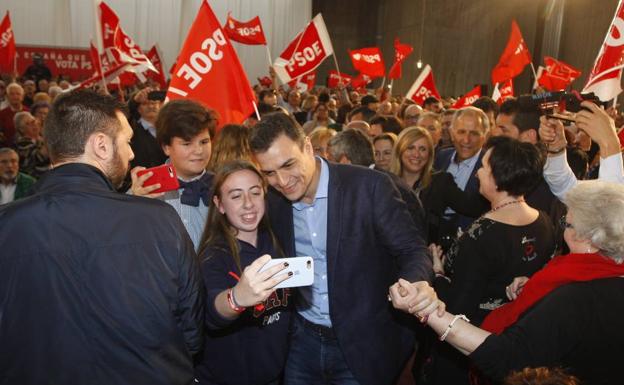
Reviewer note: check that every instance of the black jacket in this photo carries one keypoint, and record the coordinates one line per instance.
(96, 287)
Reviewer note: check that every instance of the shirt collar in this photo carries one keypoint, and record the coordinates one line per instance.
(322, 188)
(470, 162)
(146, 125)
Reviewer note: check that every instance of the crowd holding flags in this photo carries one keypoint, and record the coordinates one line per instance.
(208, 58)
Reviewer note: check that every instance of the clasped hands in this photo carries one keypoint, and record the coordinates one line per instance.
(417, 298)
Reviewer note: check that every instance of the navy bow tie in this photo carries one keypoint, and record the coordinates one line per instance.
(195, 190)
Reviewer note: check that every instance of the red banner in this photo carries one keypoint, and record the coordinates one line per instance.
(305, 52)
(558, 75)
(245, 32)
(423, 87)
(72, 62)
(514, 58)
(7, 45)
(606, 76)
(335, 78)
(368, 61)
(401, 51)
(468, 98)
(209, 71)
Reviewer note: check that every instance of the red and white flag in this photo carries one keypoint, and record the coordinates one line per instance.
(154, 56)
(368, 61)
(360, 81)
(423, 87)
(306, 52)
(514, 58)
(468, 98)
(130, 52)
(606, 76)
(119, 48)
(306, 82)
(401, 51)
(209, 71)
(245, 32)
(558, 75)
(7, 45)
(336, 78)
(503, 91)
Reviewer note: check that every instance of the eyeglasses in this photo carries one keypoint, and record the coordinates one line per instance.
(565, 224)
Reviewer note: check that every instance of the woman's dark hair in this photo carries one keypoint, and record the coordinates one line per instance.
(516, 166)
(183, 119)
(541, 376)
(218, 232)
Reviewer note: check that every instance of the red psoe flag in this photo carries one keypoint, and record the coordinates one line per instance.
(109, 22)
(306, 52)
(368, 61)
(209, 71)
(7, 45)
(336, 78)
(503, 91)
(401, 51)
(514, 58)
(468, 98)
(245, 32)
(154, 56)
(423, 87)
(606, 76)
(558, 75)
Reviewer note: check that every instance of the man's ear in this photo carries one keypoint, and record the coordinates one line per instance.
(100, 146)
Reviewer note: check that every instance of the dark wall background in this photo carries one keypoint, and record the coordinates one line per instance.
(463, 39)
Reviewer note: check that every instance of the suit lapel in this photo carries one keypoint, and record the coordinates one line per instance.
(334, 220)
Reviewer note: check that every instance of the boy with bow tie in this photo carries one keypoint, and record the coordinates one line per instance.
(183, 130)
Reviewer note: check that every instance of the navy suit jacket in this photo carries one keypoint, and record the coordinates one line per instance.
(442, 161)
(371, 241)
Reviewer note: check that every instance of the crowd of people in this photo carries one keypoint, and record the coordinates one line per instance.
(477, 245)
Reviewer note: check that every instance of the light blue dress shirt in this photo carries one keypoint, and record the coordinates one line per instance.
(310, 223)
(149, 127)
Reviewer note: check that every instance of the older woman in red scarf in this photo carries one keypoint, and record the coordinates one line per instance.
(569, 313)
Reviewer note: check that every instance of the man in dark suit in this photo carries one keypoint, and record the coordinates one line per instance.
(469, 130)
(147, 151)
(355, 225)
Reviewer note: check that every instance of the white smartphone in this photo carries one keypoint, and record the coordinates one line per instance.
(301, 267)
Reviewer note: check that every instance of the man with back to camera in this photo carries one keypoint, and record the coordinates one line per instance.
(107, 289)
(352, 221)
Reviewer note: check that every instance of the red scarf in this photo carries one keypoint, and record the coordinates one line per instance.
(558, 272)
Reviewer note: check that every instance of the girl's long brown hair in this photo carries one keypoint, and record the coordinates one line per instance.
(218, 231)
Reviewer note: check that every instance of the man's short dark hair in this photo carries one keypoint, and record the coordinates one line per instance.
(430, 100)
(267, 130)
(510, 107)
(516, 166)
(388, 123)
(74, 117)
(354, 145)
(367, 113)
(183, 119)
(486, 104)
